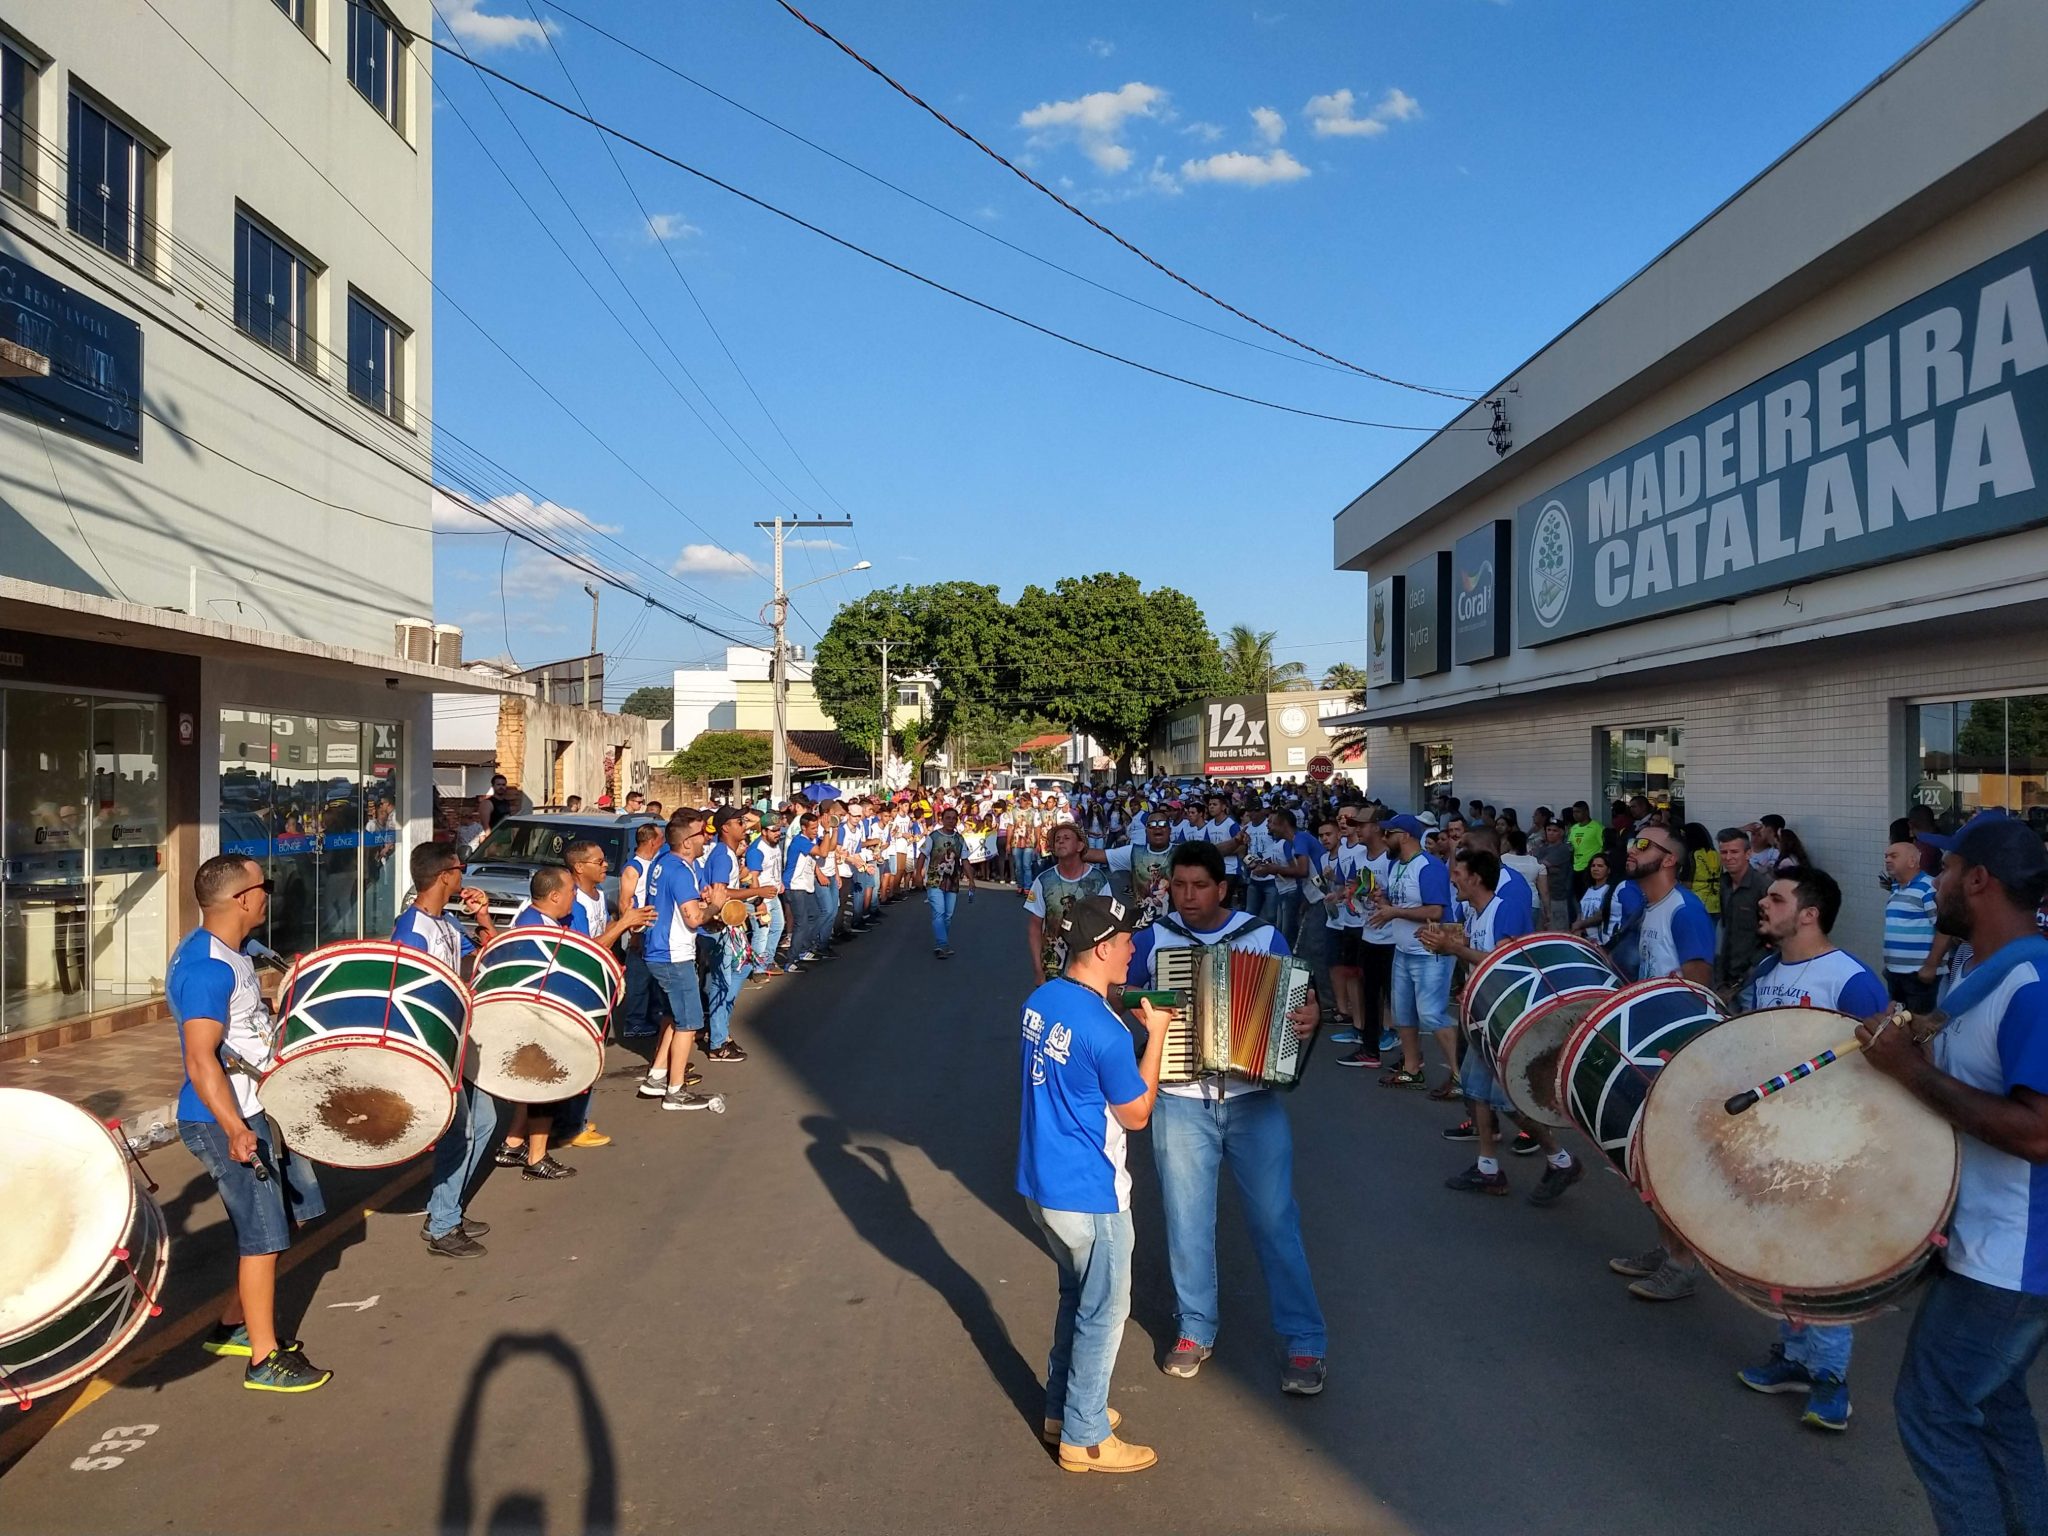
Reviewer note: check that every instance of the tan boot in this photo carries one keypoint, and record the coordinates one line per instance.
(1052, 1427)
(1113, 1455)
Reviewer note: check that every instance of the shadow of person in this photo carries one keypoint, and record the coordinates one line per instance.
(864, 1183)
(524, 1510)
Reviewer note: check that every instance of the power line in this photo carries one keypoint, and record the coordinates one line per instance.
(1096, 224)
(931, 282)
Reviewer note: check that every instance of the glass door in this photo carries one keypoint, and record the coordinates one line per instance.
(45, 829)
(130, 947)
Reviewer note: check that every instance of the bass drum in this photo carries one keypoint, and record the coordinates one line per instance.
(1617, 1051)
(1823, 1202)
(1522, 1003)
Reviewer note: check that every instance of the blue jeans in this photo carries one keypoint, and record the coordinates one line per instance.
(811, 914)
(1286, 914)
(942, 904)
(678, 983)
(1964, 1417)
(1191, 1138)
(1026, 861)
(766, 936)
(257, 1208)
(643, 1008)
(1422, 991)
(725, 977)
(458, 1155)
(1093, 1253)
(1823, 1348)
(1260, 900)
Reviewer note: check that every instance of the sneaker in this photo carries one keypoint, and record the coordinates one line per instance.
(730, 1051)
(228, 1340)
(1525, 1145)
(1648, 1262)
(684, 1099)
(1555, 1181)
(692, 1077)
(1828, 1406)
(653, 1087)
(947, 951)
(1360, 1058)
(1464, 1130)
(548, 1168)
(1185, 1358)
(456, 1244)
(1051, 1433)
(807, 957)
(1344, 1037)
(938, 954)
(794, 968)
(1113, 1455)
(1671, 1282)
(285, 1369)
(509, 1156)
(1303, 1375)
(1401, 1078)
(1389, 1041)
(590, 1136)
(1475, 1182)
(467, 1227)
(1776, 1374)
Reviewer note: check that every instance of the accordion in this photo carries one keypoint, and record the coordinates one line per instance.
(1230, 1015)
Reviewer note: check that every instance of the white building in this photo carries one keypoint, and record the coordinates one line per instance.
(1770, 535)
(739, 696)
(215, 390)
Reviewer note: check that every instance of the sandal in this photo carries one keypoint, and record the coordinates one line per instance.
(1448, 1089)
(1398, 1078)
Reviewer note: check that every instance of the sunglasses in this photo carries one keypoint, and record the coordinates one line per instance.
(1645, 845)
(265, 886)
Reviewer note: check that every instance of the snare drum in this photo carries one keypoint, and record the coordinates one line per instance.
(1522, 1002)
(1821, 1203)
(543, 998)
(1614, 1055)
(86, 1248)
(369, 1053)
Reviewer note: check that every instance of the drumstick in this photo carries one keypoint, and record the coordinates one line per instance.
(1834, 1053)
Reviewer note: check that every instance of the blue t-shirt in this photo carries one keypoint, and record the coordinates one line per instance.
(208, 980)
(721, 867)
(1675, 931)
(798, 846)
(761, 860)
(442, 937)
(1077, 1061)
(672, 882)
(530, 916)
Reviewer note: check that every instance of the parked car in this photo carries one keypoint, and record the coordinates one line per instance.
(503, 863)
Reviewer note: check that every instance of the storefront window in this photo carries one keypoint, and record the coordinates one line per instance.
(83, 897)
(1434, 771)
(1971, 754)
(1646, 760)
(315, 801)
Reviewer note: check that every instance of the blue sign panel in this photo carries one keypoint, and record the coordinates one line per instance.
(1426, 620)
(74, 364)
(1925, 428)
(1479, 610)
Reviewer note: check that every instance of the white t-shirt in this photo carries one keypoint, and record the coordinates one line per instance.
(1589, 906)
(595, 912)
(1220, 832)
(1379, 868)
(1267, 940)
(1530, 868)
(1405, 887)
(1479, 926)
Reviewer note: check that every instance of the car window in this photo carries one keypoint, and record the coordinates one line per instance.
(538, 842)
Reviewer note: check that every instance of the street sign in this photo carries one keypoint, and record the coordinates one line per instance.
(1320, 767)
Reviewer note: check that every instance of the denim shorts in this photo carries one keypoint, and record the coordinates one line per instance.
(678, 983)
(1477, 1082)
(255, 1206)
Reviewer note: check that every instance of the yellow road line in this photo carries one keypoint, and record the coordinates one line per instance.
(39, 1421)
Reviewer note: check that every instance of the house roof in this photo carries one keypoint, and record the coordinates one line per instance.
(1040, 743)
(813, 750)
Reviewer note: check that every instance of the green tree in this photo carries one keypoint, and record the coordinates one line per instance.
(718, 755)
(650, 703)
(1344, 675)
(1102, 655)
(958, 631)
(1249, 667)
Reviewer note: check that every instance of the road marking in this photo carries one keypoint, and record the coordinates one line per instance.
(18, 1441)
(354, 1306)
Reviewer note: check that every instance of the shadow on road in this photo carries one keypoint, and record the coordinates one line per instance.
(870, 1193)
(524, 1511)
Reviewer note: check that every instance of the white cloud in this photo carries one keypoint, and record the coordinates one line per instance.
(1241, 169)
(1207, 132)
(670, 226)
(713, 560)
(812, 544)
(476, 28)
(452, 514)
(1101, 47)
(1160, 179)
(1272, 126)
(1096, 121)
(988, 212)
(1336, 115)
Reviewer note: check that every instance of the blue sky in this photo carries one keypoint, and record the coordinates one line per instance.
(1494, 169)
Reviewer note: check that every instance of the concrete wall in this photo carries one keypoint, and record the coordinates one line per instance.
(267, 549)
(526, 727)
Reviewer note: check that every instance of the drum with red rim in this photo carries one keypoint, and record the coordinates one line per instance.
(543, 998)
(1618, 1049)
(1523, 1001)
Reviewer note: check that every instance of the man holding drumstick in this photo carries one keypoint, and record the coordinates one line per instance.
(1961, 1401)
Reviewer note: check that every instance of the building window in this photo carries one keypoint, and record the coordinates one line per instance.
(273, 292)
(110, 184)
(17, 127)
(373, 55)
(374, 344)
(909, 698)
(1434, 771)
(295, 9)
(1646, 760)
(1977, 754)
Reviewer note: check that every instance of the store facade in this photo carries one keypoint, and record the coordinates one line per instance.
(1771, 529)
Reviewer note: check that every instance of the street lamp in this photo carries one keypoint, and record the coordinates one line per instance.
(778, 670)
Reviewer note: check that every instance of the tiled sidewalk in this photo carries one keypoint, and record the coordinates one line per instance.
(128, 1076)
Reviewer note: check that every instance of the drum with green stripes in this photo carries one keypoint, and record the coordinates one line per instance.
(1522, 1002)
(1617, 1050)
(543, 999)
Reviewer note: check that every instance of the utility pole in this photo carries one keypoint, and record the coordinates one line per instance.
(592, 651)
(886, 713)
(778, 666)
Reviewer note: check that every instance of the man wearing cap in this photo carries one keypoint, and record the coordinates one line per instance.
(1961, 1402)
(1082, 1092)
(1416, 890)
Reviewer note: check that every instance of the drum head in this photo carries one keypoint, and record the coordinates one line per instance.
(99, 1325)
(359, 1105)
(66, 1203)
(529, 1048)
(1831, 1184)
(1531, 1058)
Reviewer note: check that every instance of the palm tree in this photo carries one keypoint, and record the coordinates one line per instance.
(1345, 676)
(1249, 667)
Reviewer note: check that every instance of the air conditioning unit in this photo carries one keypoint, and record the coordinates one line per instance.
(415, 639)
(448, 645)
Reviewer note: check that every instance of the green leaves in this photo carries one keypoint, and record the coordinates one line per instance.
(650, 703)
(1248, 665)
(717, 755)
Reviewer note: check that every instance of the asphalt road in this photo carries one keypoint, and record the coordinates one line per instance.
(825, 1311)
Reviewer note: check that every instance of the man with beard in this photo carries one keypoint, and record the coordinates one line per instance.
(1144, 863)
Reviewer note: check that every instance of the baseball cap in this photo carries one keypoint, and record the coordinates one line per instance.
(726, 815)
(1946, 842)
(2003, 846)
(1087, 922)
(1411, 825)
(1428, 819)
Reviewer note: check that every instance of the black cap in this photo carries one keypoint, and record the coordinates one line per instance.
(1087, 922)
(725, 816)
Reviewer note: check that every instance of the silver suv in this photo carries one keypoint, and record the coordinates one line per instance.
(502, 865)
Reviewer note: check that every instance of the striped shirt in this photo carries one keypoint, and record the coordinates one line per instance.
(1909, 925)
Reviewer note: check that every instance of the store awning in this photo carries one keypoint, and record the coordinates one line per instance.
(42, 610)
